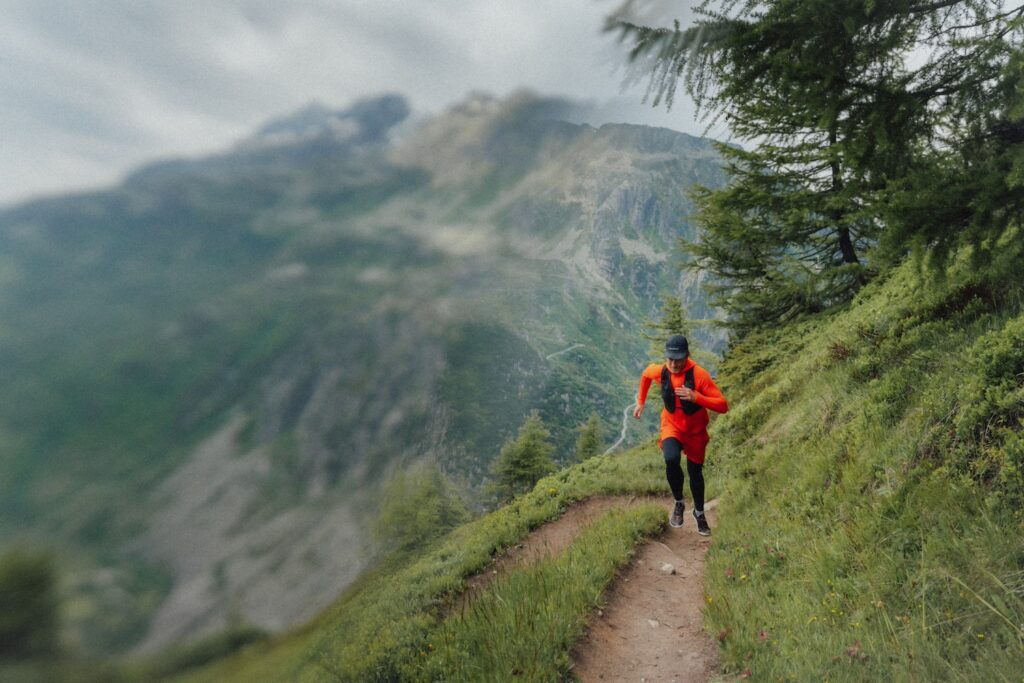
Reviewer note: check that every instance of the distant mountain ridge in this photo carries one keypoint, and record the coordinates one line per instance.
(213, 365)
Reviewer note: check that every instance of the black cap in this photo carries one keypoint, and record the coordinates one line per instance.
(677, 347)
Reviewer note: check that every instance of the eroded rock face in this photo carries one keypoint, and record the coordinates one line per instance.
(230, 559)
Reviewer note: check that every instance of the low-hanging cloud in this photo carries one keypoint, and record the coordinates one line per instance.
(92, 89)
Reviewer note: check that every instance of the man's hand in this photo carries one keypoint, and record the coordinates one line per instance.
(638, 410)
(686, 394)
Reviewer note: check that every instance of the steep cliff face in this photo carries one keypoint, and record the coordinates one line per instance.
(213, 365)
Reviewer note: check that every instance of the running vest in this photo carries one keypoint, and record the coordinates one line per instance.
(668, 394)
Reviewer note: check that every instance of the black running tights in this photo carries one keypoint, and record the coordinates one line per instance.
(673, 451)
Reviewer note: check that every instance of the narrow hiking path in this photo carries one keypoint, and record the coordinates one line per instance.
(625, 413)
(625, 426)
(653, 626)
(565, 350)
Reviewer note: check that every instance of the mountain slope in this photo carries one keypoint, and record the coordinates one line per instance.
(870, 525)
(872, 517)
(211, 367)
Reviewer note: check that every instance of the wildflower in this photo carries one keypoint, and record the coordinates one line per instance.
(762, 635)
(854, 652)
(813, 619)
(709, 599)
(743, 577)
(552, 490)
(981, 636)
(747, 674)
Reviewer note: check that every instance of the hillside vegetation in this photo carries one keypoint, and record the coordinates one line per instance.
(393, 624)
(874, 467)
(870, 473)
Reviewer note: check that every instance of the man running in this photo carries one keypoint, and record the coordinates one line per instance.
(688, 392)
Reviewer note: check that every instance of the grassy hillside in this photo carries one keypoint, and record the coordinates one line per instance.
(872, 523)
(392, 623)
(871, 519)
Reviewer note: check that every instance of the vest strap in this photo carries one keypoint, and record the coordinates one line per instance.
(668, 394)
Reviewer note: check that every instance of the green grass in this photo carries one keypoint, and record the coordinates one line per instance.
(871, 524)
(526, 624)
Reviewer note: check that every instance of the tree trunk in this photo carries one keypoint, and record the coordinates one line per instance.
(846, 249)
(846, 246)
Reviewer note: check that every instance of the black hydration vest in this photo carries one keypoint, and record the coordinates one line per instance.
(668, 394)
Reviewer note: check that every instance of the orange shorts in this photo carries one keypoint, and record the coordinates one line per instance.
(694, 445)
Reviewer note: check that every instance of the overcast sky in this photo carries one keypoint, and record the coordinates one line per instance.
(93, 89)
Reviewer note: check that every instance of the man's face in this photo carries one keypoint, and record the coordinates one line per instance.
(675, 366)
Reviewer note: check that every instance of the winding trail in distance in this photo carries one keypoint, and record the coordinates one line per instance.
(565, 350)
(625, 425)
(625, 413)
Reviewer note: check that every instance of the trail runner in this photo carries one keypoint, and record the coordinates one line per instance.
(688, 393)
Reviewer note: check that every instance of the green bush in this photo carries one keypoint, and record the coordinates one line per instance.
(418, 505)
(28, 606)
(523, 460)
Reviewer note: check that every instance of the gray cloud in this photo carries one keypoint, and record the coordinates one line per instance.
(91, 90)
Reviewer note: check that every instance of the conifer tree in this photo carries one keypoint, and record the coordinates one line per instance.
(837, 114)
(523, 460)
(673, 320)
(419, 504)
(28, 605)
(588, 444)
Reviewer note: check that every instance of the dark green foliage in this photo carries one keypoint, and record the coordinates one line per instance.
(112, 609)
(673, 321)
(418, 505)
(28, 607)
(523, 460)
(983, 438)
(894, 123)
(193, 654)
(590, 439)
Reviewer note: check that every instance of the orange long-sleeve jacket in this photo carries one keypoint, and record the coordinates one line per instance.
(678, 424)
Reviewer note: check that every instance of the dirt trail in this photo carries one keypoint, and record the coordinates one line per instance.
(653, 629)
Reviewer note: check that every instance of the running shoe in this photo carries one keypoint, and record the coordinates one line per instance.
(676, 519)
(702, 524)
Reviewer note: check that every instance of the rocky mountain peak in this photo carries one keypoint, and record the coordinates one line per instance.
(365, 121)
